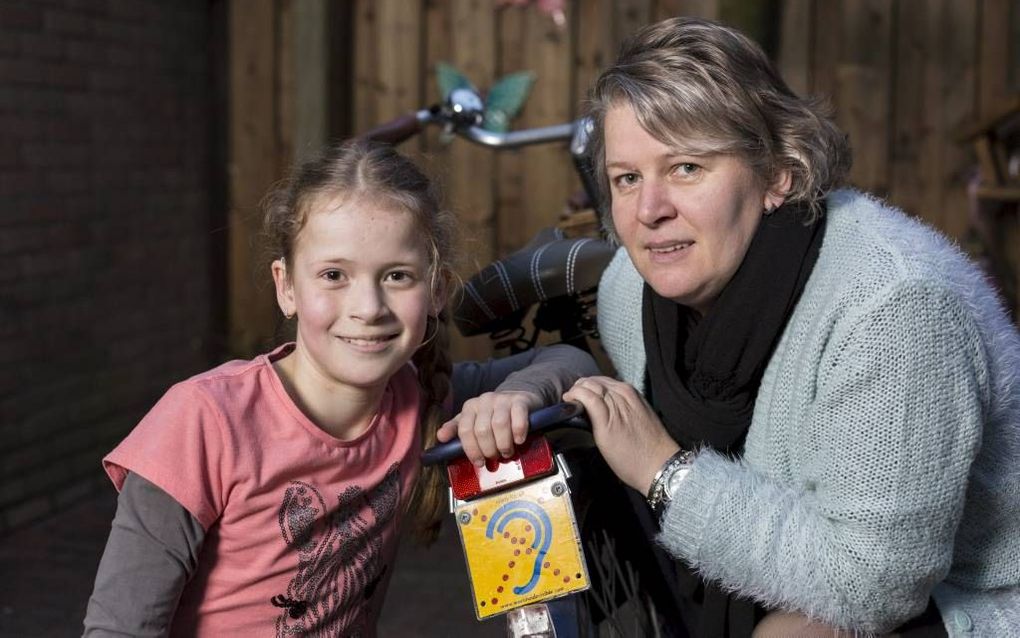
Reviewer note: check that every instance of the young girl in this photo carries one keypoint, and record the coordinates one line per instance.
(266, 496)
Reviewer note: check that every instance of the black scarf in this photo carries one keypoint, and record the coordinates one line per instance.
(703, 377)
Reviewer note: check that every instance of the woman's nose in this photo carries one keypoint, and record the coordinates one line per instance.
(654, 204)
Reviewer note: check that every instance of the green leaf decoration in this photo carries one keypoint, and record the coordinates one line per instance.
(449, 79)
(505, 99)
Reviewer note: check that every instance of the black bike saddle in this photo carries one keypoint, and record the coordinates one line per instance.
(549, 266)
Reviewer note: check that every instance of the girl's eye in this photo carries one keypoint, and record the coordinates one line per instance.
(333, 275)
(400, 277)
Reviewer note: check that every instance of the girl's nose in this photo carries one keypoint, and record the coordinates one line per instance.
(367, 302)
(654, 204)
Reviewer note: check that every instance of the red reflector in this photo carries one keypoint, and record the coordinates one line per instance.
(532, 459)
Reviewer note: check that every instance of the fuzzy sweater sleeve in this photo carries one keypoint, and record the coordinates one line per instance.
(864, 529)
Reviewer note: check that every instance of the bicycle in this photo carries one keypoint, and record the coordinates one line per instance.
(557, 275)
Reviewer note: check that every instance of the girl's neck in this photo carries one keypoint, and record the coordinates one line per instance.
(343, 412)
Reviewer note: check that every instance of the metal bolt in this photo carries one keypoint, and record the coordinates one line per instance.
(558, 488)
(464, 518)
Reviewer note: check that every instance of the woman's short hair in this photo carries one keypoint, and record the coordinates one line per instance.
(701, 88)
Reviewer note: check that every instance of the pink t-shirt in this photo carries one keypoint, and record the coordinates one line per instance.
(301, 528)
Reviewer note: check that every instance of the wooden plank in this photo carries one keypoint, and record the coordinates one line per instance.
(863, 90)
(994, 69)
(509, 187)
(438, 48)
(956, 49)
(794, 57)
(594, 48)
(286, 77)
(548, 175)
(398, 48)
(628, 17)
(1009, 192)
(366, 37)
(698, 8)
(471, 168)
(827, 44)
(310, 68)
(253, 166)
(910, 164)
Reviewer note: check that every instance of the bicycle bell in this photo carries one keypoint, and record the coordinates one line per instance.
(466, 107)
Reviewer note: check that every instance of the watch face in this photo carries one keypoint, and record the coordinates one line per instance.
(674, 480)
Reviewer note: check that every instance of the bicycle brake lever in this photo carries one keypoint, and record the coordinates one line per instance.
(554, 417)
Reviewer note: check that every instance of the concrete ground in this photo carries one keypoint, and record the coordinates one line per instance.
(46, 573)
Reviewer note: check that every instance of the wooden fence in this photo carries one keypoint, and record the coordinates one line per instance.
(903, 75)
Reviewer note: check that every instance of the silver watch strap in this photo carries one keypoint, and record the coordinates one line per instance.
(656, 496)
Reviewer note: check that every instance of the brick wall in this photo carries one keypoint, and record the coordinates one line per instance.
(108, 242)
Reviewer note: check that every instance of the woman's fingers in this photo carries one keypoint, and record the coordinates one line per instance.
(627, 432)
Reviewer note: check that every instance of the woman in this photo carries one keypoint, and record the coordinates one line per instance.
(820, 396)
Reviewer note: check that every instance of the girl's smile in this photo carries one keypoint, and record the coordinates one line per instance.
(359, 285)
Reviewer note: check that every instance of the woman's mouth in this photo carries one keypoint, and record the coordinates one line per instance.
(668, 250)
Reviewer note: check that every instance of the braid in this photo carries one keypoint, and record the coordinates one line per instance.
(428, 499)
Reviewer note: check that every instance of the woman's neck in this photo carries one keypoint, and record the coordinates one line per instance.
(344, 412)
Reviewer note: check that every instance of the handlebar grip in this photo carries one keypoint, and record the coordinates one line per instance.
(554, 417)
(395, 131)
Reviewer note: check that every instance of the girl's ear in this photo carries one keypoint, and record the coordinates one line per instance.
(775, 195)
(284, 288)
(440, 295)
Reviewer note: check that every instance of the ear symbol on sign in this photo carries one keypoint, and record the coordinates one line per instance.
(539, 519)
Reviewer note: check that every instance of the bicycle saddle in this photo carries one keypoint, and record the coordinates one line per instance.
(549, 266)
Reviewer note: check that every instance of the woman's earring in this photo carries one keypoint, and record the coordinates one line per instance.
(288, 316)
(770, 209)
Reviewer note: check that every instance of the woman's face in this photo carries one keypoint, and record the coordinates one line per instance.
(685, 220)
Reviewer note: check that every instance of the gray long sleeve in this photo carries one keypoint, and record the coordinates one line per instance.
(547, 372)
(151, 554)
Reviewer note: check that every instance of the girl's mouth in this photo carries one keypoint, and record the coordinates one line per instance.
(369, 344)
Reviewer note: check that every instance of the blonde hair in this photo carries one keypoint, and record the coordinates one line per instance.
(704, 88)
(370, 169)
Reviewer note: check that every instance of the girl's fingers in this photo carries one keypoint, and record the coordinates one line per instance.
(502, 432)
(446, 431)
(483, 435)
(519, 422)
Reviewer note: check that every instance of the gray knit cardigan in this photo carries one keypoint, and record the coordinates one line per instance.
(882, 465)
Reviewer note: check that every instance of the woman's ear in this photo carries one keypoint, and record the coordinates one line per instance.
(775, 195)
(284, 288)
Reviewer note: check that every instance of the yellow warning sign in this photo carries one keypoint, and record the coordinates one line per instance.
(522, 547)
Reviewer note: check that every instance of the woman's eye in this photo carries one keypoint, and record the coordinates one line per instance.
(687, 168)
(626, 179)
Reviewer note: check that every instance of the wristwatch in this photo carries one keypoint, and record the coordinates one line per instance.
(666, 480)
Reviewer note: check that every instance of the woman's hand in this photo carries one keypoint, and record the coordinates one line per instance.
(491, 424)
(627, 432)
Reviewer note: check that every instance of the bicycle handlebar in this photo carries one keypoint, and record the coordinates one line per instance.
(554, 417)
(405, 126)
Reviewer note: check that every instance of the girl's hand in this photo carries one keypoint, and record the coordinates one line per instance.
(627, 431)
(491, 424)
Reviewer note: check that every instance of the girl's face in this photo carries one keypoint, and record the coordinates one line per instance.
(685, 220)
(360, 288)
